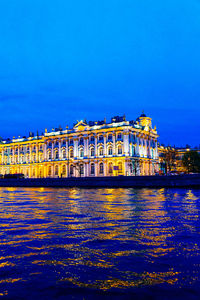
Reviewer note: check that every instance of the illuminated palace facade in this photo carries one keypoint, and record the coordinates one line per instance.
(88, 149)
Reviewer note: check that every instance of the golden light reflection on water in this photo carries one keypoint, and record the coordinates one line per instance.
(113, 238)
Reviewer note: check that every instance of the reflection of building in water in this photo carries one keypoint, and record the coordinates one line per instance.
(152, 228)
(88, 149)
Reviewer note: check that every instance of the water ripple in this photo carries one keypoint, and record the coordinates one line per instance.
(54, 242)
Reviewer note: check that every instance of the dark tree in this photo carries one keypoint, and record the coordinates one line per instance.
(191, 161)
(169, 159)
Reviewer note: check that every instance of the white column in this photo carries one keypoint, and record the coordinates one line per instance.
(59, 149)
(114, 144)
(76, 147)
(85, 146)
(45, 151)
(52, 154)
(104, 168)
(95, 168)
(36, 153)
(95, 145)
(126, 143)
(105, 147)
(86, 169)
(18, 154)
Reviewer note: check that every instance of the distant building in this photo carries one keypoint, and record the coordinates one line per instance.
(88, 149)
(179, 156)
(170, 158)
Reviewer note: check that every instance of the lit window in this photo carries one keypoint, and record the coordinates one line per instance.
(49, 171)
(120, 167)
(64, 154)
(63, 170)
(49, 155)
(81, 152)
(101, 151)
(56, 170)
(56, 155)
(110, 168)
(101, 168)
(120, 150)
(71, 153)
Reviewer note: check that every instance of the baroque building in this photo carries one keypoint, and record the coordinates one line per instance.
(119, 147)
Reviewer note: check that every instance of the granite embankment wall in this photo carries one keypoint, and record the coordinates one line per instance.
(192, 180)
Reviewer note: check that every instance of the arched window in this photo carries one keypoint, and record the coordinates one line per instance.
(33, 172)
(40, 173)
(120, 167)
(49, 155)
(71, 170)
(110, 168)
(81, 152)
(101, 168)
(49, 171)
(56, 155)
(56, 170)
(71, 153)
(63, 170)
(119, 150)
(101, 151)
(92, 169)
(110, 152)
(64, 154)
(92, 152)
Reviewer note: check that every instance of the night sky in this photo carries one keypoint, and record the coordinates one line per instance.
(62, 61)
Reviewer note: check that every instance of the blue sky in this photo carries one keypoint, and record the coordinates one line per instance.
(62, 61)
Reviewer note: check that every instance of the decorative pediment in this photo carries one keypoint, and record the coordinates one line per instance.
(80, 126)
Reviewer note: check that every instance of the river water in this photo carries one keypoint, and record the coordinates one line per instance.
(99, 243)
